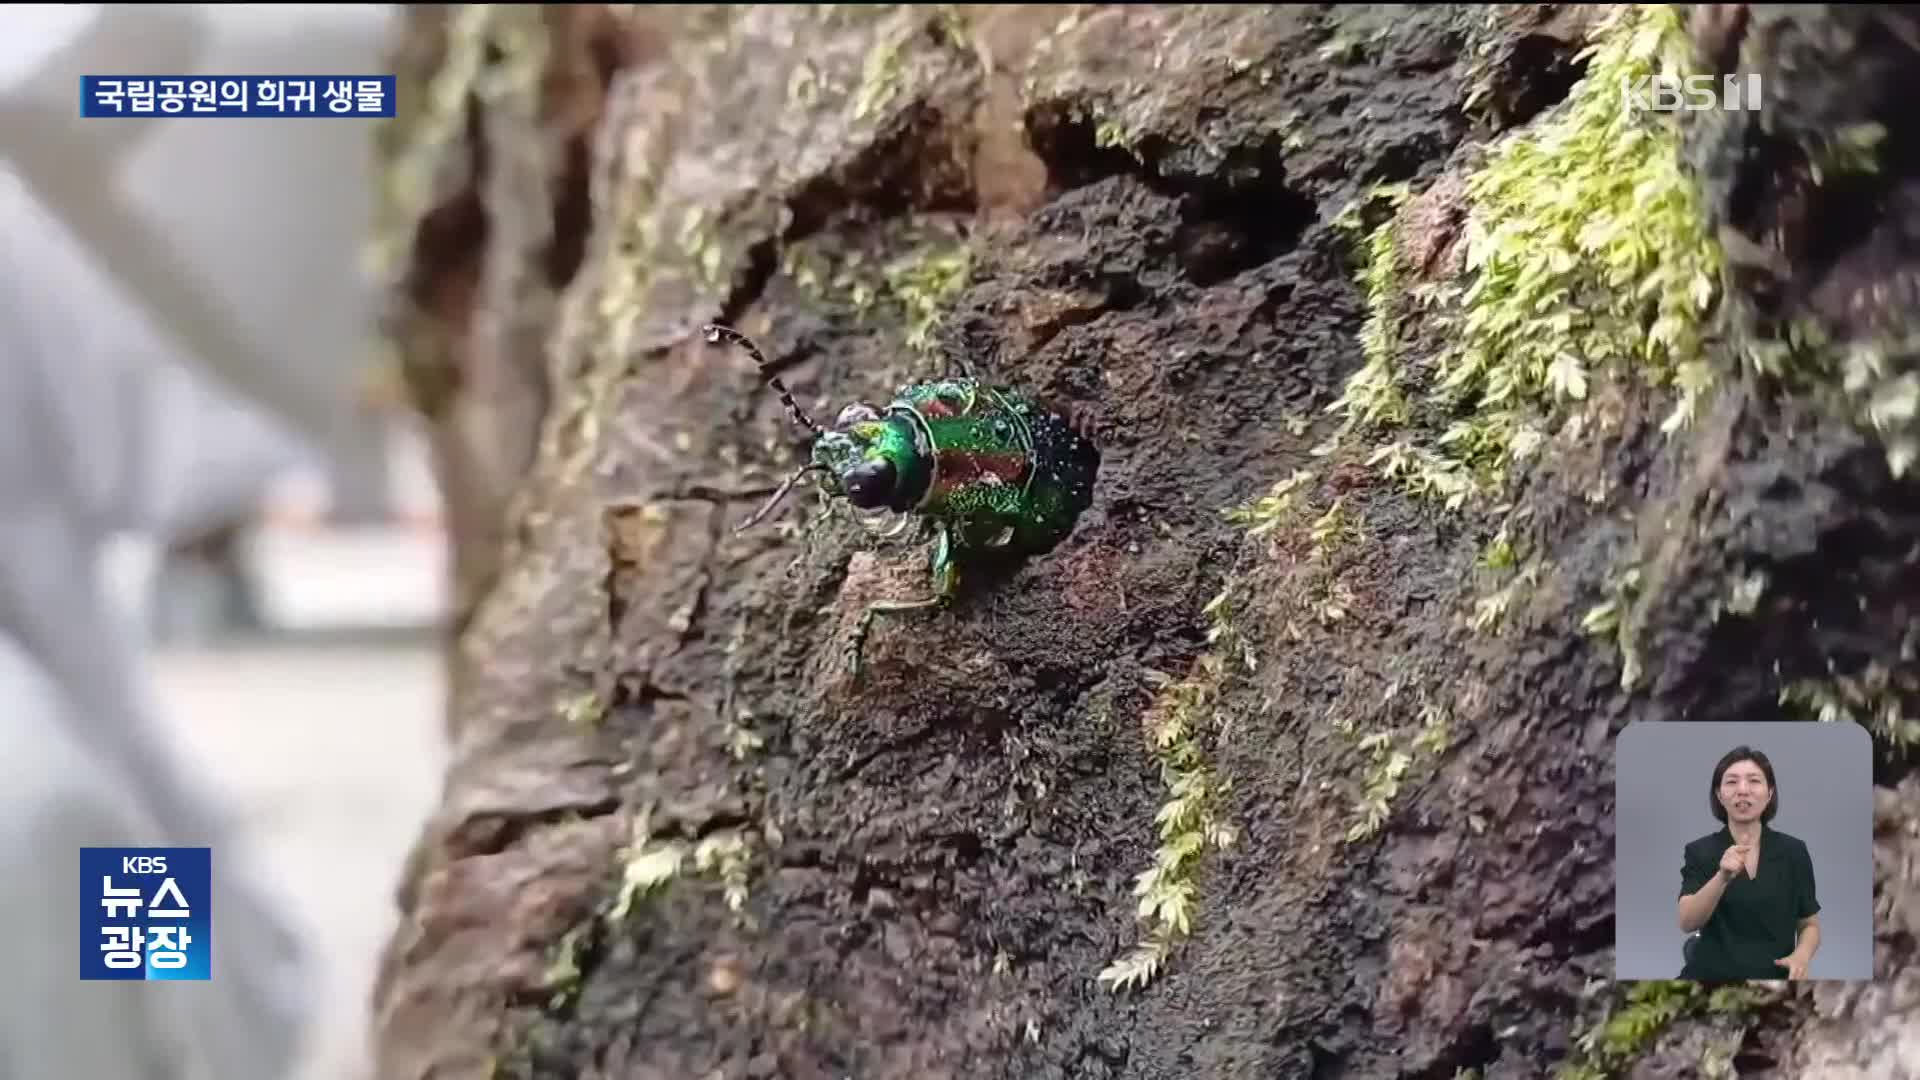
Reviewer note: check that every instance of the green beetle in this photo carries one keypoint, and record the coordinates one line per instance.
(989, 467)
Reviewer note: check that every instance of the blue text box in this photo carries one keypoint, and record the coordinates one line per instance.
(259, 96)
(146, 913)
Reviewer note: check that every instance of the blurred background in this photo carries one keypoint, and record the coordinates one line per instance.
(275, 555)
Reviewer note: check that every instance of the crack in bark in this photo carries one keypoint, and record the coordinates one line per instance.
(494, 833)
(896, 745)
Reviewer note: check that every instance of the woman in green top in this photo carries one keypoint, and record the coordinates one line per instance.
(1748, 889)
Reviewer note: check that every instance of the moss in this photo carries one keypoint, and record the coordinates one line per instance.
(1384, 771)
(584, 709)
(924, 283)
(1492, 609)
(1582, 262)
(1334, 529)
(1506, 562)
(803, 85)
(561, 979)
(1373, 396)
(953, 28)
(1875, 698)
(1590, 248)
(1189, 821)
(1389, 758)
(1630, 1028)
(727, 857)
(1585, 258)
(1327, 537)
(1618, 617)
(639, 249)
(1488, 50)
(1264, 514)
(913, 290)
(1319, 545)
(649, 864)
(1852, 150)
(1874, 380)
(1640, 1012)
(742, 740)
(808, 271)
(880, 79)
(414, 142)
(1341, 50)
(1743, 595)
(703, 252)
(495, 56)
(1110, 133)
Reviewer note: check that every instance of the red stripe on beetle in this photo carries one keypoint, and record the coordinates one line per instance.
(960, 468)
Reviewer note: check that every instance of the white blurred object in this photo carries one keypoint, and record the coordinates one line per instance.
(308, 574)
(362, 579)
(142, 254)
(111, 424)
(242, 237)
(128, 565)
(105, 434)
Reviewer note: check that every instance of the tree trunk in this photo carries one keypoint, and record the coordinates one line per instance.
(1295, 759)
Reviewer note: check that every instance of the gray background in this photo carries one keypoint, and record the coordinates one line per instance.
(1662, 775)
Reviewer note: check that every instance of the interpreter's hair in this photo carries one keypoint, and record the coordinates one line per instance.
(1728, 761)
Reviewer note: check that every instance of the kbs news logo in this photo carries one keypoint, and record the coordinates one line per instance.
(1691, 93)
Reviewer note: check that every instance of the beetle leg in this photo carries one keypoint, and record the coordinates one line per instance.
(946, 582)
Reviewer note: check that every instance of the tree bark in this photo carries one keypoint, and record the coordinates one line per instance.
(679, 839)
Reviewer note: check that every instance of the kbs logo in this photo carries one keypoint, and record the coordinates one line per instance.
(146, 913)
(1692, 93)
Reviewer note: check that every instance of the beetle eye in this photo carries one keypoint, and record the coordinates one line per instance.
(870, 485)
(856, 413)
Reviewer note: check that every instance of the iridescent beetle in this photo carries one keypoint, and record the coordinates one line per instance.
(990, 468)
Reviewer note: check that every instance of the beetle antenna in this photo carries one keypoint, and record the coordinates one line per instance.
(767, 508)
(716, 333)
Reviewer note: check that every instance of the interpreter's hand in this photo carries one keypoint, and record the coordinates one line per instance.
(1795, 964)
(1734, 860)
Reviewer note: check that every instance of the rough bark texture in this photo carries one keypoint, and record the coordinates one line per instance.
(679, 840)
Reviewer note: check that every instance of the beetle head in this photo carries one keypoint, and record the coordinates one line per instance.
(857, 457)
(861, 458)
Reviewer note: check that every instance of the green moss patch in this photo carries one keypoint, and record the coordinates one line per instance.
(1189, 821)
(1583, 257)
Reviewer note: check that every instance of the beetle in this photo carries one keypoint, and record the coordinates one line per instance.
(992, 469)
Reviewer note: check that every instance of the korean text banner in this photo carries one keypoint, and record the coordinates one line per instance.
(268, 96)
